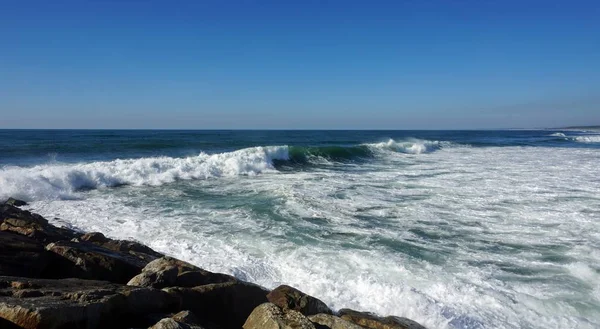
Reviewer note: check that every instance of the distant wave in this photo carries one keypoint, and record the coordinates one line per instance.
(587, 139)
(558, 135)
(62, 181)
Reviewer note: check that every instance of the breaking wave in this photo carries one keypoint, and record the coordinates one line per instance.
(62, 181)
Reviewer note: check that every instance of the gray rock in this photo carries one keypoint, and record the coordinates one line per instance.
(270, 316)
(76, 303)
(289, 298)
(332, 322)
(89, 261)
(171, 272)
(372, 321)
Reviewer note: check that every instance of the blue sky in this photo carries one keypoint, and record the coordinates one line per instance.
(307, 64)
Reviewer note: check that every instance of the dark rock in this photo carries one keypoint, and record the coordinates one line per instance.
(94, 237)
(269, 316)
(15, 202)
(289, 298)
(89, 261)
(371, 321)
(186, 317)
(16, 220)
(328, 321)
(23, 256)
(222, 305)
(171, 272)
(76, 303)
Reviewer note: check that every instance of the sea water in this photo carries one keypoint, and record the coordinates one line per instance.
(453, 229)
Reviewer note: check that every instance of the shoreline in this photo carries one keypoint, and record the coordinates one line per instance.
(56, 277)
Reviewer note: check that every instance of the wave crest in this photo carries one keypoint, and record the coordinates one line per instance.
(411, 146)
(60, 181)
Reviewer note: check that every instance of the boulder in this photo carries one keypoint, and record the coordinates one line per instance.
(222, 305)
(16, 220)
(171, 272)
(76, 303)
(371, 321)
(15, 202)
(289, 298)
(270, 316)
(332, 322)
(89, 261)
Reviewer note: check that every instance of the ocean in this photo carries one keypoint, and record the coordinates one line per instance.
(453, 229)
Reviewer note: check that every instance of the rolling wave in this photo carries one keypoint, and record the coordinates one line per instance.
(62, 181)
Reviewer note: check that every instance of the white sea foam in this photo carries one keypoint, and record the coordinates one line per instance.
(558, 135)
(410, 146)
(56, 181)
(462, 238)
(587, 139)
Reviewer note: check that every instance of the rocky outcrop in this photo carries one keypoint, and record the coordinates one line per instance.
(332, 322)
(171, 272)
(226, 305)
(270, 316)
(16, 220)
(181, 320)
(76, 303)
(89, 261)
(371, 321)
(288, 298)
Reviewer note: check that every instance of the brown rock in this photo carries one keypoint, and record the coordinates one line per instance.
(171, 272)
(289, 298)
(75, 303)
(269, 316)
(371, 321)
(332, 322)
(222, 305)
(16, 220)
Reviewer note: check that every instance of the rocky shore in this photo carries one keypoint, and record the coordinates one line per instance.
(57, 278)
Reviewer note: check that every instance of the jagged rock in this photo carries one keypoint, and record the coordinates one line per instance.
(181, 320)
(171, 272)
(224, 305)
(289, 298)
(89, 261)
(133, 248)
(270, 316)
(76, 303)
(371, 321)
(13, 219)
(332, 322)
(15, 202)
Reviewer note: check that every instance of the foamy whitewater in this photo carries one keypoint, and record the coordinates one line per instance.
(451, 229)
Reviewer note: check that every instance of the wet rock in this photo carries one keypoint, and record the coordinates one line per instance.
(15, 202)
(94, 237)
(89, 261)
(16, 220)
(222, 305)
(76, 303)
(371, 321)
(332, 322)
(171, 272)
(289, 298)
(270, 316)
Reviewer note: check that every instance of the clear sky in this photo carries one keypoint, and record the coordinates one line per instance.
(299, 64)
